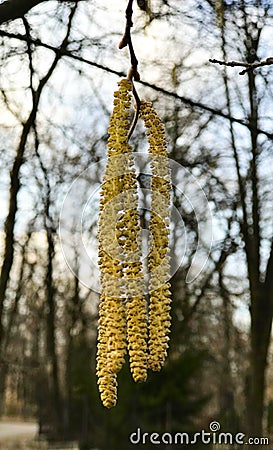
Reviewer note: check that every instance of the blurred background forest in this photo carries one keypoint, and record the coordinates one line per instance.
(59, 67)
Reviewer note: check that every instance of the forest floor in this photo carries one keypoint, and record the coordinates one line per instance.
(20, 435)
(17, 435)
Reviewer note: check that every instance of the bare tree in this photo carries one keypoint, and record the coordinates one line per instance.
(10, 221)
(13, 9)
(253, 202)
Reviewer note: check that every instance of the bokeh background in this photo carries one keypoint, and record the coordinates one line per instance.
(60, 64)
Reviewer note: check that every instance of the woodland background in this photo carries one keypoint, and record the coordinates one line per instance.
(59, 67)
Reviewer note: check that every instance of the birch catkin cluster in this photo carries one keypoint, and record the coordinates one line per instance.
(127, 320)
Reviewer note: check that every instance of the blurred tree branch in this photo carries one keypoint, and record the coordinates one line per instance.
(187, 101)
(13, 9)
(15, 183)
(248, 66)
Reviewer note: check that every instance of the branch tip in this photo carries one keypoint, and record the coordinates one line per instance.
(248, 67)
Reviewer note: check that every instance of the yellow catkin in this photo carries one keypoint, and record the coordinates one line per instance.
(128, 235)
(123, 315)
(158, 259)
(112, 320)
(107, 379)
(136, 314)
(128, 238)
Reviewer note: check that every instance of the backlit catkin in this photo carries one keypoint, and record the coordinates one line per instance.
(112, 319)
(126, 320)
(158, 260)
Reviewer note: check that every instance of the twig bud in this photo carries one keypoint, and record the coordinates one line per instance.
(123, 43)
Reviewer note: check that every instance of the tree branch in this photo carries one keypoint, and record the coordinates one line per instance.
(187, 101)
(13, 9)
(29, 52)
(268, 283)
(248, 66)
(9, 225)
(127, 40)
(133, 73)
(228, 248)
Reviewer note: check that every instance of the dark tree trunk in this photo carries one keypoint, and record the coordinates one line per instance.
(261, 324)
(74, 314)
(261, 307)
(11, 217)
(8, 255)
(261, 293)
(227, 394)
(15, 181)
(51, 331)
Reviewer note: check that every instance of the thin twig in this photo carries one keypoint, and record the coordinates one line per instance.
(136, 115)
(29, 52)
(248, 66)
(127, 40)
(133, 72)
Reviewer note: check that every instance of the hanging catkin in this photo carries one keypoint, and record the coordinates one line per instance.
(112, 320)
(124, 314)
(158, 260)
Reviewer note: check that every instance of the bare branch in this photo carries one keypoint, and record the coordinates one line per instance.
(136, 115)
(133, 73)
(13, 9)
(15, 184)
(127, 40)
(248, 66)
(187, 101)
(29, 51)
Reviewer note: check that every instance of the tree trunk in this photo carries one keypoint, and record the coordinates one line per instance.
(10, 220)
(15, 180)
(227, 394)
(261, 324)
(74, 315)
(51, 332)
